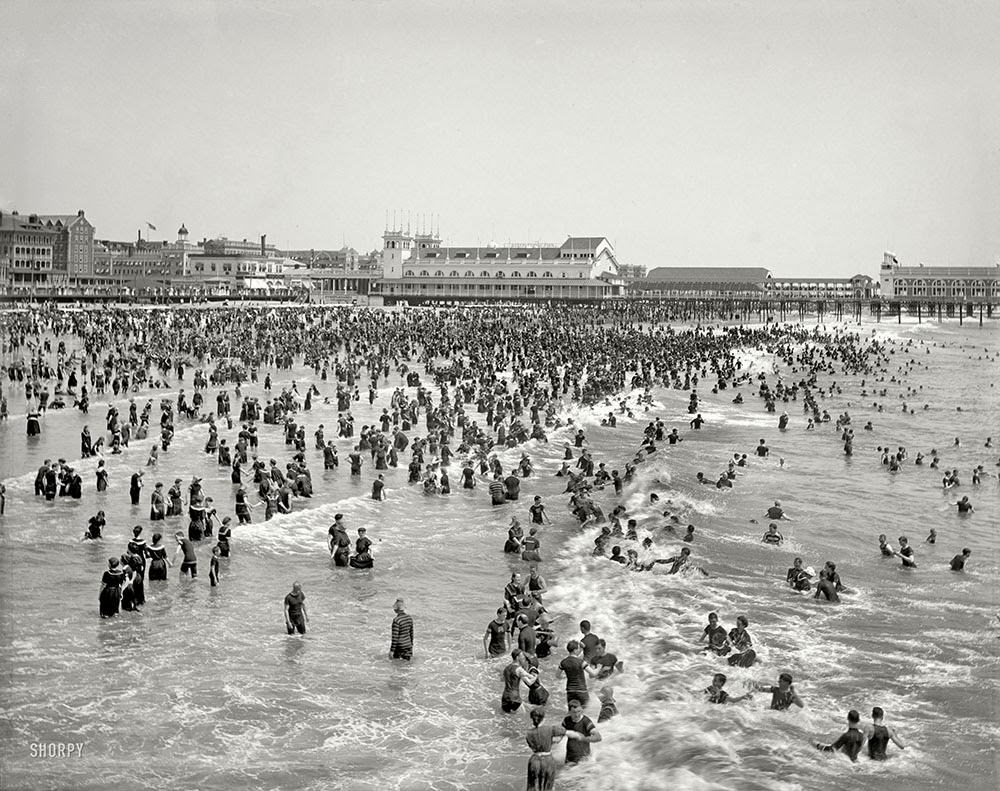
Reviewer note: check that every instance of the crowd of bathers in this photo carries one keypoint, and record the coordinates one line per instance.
(475, 383)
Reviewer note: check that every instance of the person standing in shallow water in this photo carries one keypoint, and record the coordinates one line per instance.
(296, 616)
(339, 542)
(401, 646)
(135, 487)
(110, 596)
(158, 560)
(540, 738)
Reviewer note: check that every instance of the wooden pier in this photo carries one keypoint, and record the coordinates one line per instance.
(822, 310)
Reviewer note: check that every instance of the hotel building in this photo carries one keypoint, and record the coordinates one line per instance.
(416, 268)
(27, 248)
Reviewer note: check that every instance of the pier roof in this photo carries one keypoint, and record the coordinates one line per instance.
(707, 274)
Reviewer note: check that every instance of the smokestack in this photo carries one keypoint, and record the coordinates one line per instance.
(263, 239)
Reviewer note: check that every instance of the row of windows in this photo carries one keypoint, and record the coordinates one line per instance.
(839, 286)
(27, 238)
(462, 288)
(941, 283)
(942, 288)
(469, 273)
(31, 250)
(31, 263)
(516, 256)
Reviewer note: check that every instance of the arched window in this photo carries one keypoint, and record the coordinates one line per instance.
(499, 274)
(532, 274)
(424, 273)
(408, 273)
(939, 288)
(977, 288)
(439, 273)
(515, 274)
(469, 273)
(546, 274)
(484, 274)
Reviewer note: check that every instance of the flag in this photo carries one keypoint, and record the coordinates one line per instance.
(150, 225)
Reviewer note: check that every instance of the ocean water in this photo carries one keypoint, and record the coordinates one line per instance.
(204, 689)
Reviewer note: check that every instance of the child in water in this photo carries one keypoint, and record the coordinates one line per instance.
(213, 566)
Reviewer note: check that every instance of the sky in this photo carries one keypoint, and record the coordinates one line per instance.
(805, 137)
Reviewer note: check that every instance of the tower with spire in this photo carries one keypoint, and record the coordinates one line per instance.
(399, 244)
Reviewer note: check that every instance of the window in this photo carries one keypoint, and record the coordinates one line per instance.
(484, 274)
(408, 273)
(499, 274)
(546, 274)
(461, 254)
(490, 255)
(521, 255)
(531, 274)
(439, 273)
(469, 273)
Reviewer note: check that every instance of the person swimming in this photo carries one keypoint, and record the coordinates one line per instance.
(958, 562)
(772, 536)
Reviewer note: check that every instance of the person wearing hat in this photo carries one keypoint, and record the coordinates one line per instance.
(158, 505)
(176, 499)
(362, 557)
(110, 597)
(401, 646)
(339, 542)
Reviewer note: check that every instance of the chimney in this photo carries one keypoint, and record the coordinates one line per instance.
(263, 239)
(79, 213)
(33, 219)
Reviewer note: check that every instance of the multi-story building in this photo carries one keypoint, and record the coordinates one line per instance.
(346, 258)
(416, 268)
(27, 248)
(222, 246)
(73, 254)
(938, 283)
(134, 262)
